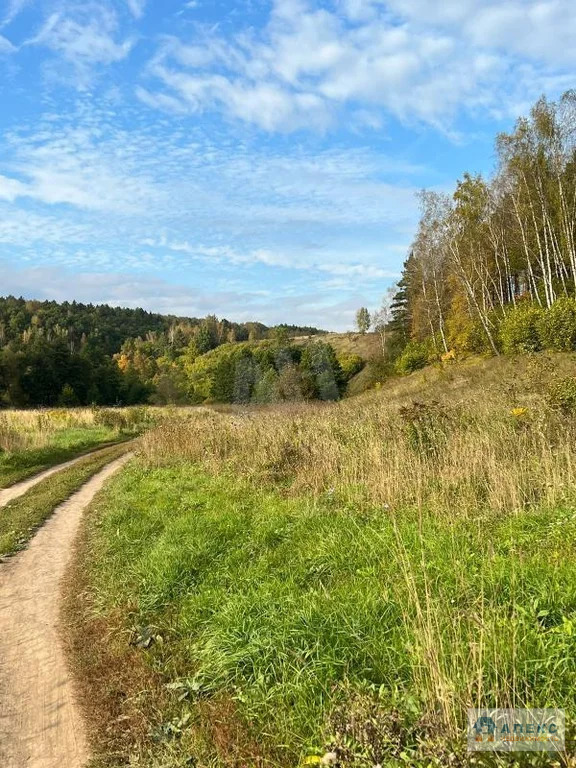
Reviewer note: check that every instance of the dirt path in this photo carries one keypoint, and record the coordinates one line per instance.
(18, 489)
(40, 726)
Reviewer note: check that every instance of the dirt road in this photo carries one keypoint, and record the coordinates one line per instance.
(40, 726)
(18, 489)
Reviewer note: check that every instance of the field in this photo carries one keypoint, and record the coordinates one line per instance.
(366, 345)
(33, 440)
(340, 581)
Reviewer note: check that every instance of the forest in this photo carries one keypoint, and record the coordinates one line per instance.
(492, 268)
(72, 354)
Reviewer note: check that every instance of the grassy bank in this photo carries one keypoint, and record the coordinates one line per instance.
(31, 441)
(347, 578)
(21, 517)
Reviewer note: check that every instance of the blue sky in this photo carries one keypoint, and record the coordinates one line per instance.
(256, 159)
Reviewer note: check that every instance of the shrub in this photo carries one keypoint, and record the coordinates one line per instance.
(414, 357)
(350, 365)
(520, 329)
(107, 417)
(562, 395)
(466, 334)
(372, 375)
(558, 326)
(68, 397)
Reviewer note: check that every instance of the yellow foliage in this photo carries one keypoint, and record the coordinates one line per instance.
(447, 357)
(123, 362)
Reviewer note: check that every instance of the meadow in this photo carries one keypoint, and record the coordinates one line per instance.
(337, 583)
(33, 440)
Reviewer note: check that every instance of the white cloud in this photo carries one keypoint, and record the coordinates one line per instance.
(420, 60)
(161, 101)
(79, 191)
(6, 46)
(27, 230)
(14, 7)
(539, 31)
(333, 263)
(64, 165)
(159, 295)
(136, 7)
(10, 189)
(82, 36)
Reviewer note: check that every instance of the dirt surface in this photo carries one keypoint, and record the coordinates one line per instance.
(40, 725)
(20, 488)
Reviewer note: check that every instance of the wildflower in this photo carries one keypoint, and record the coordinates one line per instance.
(330, 758)
(519, 413)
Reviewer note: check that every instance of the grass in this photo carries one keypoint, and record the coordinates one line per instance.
(31, 441)
(367, 345)
(20, 518)
(345, 578)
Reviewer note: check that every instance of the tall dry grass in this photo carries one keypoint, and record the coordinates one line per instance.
(459, 443)
(24, 430)
(37, 429)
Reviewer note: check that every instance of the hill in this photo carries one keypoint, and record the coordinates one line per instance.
(339, 579)
(80, 354)
(367, 345)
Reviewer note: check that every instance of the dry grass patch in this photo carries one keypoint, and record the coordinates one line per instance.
(459, 439)
(33, 440)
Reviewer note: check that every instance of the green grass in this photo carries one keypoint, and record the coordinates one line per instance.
(21, 517)
(34, 440)
(65, 445)
(288, 626)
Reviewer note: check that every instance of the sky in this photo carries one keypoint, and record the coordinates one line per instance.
(255, 159)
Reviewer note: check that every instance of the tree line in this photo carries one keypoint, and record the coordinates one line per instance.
(80, 354)
(493, 267)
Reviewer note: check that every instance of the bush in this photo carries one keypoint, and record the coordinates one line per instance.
(466, 334)
(520, 329)
(372, 375)
(562, 395)
(414, 357)
(107, 417)
(350, 365)
(558, 326)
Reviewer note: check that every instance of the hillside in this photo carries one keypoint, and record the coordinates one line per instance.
(292, 574)
(367, 345)
(82, 354)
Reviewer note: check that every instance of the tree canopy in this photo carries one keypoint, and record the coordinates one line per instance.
(496, 244)
(78, 354)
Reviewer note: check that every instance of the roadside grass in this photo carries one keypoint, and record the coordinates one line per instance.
(346, 578)
(31, 441)
(20, 518)
(288, 622)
